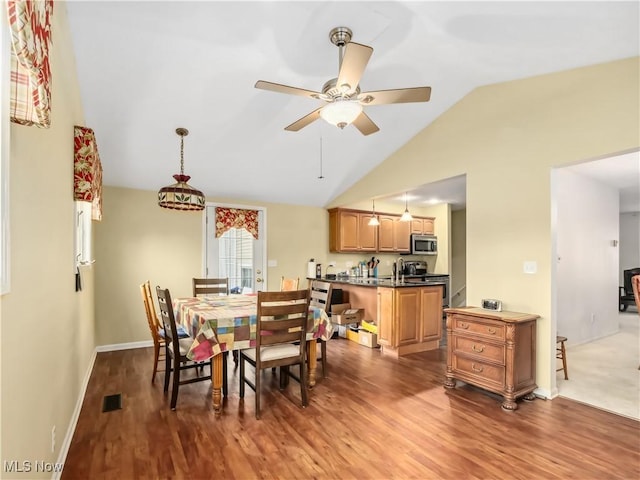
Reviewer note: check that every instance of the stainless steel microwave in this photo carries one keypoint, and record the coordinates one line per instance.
(424, 244)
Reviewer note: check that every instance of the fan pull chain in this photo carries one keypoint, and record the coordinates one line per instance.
(320, 159)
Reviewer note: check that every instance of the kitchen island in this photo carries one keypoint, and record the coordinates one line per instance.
(408, 313)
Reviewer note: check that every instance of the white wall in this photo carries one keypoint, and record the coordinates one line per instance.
(629, 242)
(587, 261)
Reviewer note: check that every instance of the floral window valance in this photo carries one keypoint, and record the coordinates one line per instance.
(227, 218)
(30, 83)
(87, 170)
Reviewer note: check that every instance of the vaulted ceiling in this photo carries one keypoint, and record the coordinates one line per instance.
(146, 68)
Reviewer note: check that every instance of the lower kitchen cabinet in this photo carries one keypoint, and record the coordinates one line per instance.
(492, 350)
(409, 319)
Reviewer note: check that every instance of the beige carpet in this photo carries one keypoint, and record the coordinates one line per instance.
(604, 373)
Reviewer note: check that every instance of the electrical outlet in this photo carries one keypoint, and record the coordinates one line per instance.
(53, 439)
(332, 264)
(593, 317)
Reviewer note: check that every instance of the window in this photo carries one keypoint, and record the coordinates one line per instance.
(236, 259)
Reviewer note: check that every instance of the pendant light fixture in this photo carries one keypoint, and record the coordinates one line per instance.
(373, 222)
(406, 216)
(180, 195)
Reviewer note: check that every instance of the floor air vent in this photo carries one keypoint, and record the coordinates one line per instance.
(112, 402)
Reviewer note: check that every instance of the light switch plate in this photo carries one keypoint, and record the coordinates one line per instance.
(272, 263)
(530, 267)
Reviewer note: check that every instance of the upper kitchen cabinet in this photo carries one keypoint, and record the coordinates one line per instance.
(393, 235)
(349, 231)
(422, 226)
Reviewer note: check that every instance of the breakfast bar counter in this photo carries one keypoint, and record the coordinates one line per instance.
(408, 314)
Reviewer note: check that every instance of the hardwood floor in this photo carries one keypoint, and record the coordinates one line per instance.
(372, 417)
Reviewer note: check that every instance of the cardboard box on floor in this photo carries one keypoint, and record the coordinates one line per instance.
(369, 326)
(361, 337)
(367, 339)
(342, 329)
(343, 314)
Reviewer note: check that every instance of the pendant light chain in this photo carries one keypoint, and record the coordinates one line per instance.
(181, 154)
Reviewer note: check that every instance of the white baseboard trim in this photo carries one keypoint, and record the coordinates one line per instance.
(544, 393)
(124, 346)
(64, 449)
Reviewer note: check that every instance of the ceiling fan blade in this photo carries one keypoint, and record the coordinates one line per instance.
(304, 121)
(401, 95)
(365, 124)
(354, 61)
(279, 88)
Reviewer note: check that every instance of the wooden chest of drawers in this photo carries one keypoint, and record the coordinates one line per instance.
(492, 350)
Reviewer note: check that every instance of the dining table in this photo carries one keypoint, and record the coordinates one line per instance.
(222, 323)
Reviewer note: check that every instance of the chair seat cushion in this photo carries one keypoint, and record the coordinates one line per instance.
(182, 333)
(185, 345)
(273, 352)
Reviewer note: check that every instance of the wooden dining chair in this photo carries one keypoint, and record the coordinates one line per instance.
(176, 352)
(281, 331)
(289, 284)
(210, 286)
(320, 293)
(154, 327)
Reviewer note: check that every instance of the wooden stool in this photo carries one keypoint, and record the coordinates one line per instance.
(561, 353)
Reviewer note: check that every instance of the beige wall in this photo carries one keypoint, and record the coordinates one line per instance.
(506, 138)
(47, 328)
(139, 241)
(458, 257)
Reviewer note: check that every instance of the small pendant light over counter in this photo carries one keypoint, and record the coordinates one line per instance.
(180, 195)
(373, 222)
(406, 216)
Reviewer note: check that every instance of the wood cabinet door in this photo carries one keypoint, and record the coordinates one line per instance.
(348, 235)
(407, 304)
(367, 235)
(416, 226)
(385, 317)
(431, 313)
(402, 233)
(427, 226)
(386, 233)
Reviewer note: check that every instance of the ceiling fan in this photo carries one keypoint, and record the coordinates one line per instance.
(344, 100)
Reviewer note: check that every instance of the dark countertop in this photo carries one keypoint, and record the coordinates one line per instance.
(382, 282)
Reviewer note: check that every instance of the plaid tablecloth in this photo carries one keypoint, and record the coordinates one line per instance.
(222, 323)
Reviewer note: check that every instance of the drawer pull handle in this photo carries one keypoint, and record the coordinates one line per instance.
(476, 369)
(464, 325)
(476, 349)
(491, 330)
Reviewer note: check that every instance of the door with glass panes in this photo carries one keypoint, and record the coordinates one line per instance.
(236, 254)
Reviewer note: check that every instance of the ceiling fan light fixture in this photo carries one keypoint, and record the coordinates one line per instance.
(181, 195)
(341, 112)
